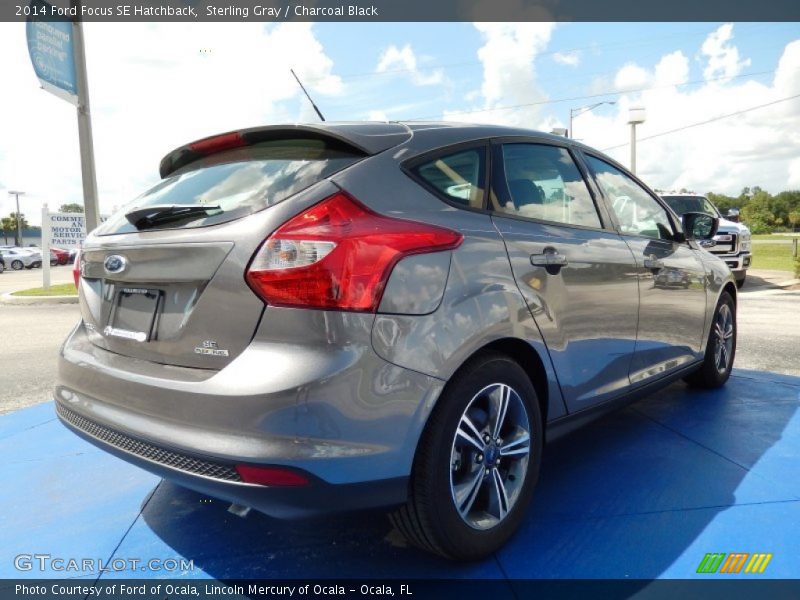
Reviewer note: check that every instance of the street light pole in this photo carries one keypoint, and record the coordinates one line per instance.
(19, 227)
(635, 117)
(575, 112)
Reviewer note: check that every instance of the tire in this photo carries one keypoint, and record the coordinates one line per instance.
(711, 374)
(17, 265)
(493, 500)
(740, 281)
(2, 267)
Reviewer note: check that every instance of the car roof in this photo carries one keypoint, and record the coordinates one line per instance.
(368, 137)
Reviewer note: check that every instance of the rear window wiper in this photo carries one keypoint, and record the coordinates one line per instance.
(149, 216)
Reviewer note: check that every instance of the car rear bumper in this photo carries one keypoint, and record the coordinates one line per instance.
(342, 415)
(221, 480)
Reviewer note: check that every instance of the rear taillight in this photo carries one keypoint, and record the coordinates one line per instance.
(338, 255)
(76, 269)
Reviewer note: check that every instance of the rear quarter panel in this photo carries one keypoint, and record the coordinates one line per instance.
(481, 302)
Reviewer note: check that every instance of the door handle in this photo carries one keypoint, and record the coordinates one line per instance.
(653, 263)
(549, 258)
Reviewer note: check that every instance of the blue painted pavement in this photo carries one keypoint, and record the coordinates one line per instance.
(644, 492)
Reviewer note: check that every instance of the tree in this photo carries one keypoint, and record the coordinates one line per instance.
(71, 208)
(794, 218)
(10, 226)
(724, 203)
(758, 214)
(7, 227)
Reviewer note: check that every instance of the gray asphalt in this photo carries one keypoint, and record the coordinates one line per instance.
(12, 281)
(32, 336)
(769, 339)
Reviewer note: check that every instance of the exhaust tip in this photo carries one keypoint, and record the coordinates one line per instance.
(239, 510)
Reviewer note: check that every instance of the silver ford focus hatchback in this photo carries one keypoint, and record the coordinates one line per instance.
(313, 318)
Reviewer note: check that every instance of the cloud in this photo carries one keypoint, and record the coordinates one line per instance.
(672, 69)
(722, 55)
(509, 72)
(153, 87)
(631, 77)
(755, 148)
(377, 115)
(571, 59)
(794, 174)
(404, 59)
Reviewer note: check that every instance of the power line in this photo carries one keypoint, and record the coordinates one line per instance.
(706, 122)
(623, 43)
(599, 95)
(469, 63)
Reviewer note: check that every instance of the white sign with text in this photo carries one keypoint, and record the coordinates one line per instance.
(67, 230)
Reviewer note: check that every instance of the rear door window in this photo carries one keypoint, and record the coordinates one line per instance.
(542, 182)
(239, 182)
(458, 177)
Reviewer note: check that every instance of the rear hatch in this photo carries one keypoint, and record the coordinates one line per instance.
(164, 278)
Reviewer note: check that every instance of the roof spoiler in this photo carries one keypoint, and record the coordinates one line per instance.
(362, 138)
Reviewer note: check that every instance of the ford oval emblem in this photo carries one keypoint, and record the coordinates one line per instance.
(115, 263)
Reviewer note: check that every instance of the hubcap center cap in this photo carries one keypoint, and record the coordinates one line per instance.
(491, 452)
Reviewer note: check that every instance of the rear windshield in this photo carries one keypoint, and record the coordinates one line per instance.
(240, 182)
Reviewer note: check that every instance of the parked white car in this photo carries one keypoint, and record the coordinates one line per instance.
(18, 258)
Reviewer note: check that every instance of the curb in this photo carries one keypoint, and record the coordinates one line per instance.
(789, 283)
(8, 298)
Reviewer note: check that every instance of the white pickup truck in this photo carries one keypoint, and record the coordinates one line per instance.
(732, 242)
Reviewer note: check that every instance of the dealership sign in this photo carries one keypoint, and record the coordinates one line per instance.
(67, 230)
(50, 45)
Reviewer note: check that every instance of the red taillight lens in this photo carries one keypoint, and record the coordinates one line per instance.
(270, 476)
(338, 255)
(76, 269)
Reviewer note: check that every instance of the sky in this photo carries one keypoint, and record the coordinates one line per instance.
(154, 87)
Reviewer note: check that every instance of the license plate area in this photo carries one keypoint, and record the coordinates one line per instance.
(134, 314)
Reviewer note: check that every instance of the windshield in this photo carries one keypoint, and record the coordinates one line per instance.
(684, 204)
(239, 182)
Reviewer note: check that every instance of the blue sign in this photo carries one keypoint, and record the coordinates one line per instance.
(51, 51)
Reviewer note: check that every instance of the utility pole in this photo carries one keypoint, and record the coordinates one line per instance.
(18, 239)
(84, 125)
(636, 116)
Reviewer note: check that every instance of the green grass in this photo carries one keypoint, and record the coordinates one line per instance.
(62, 289)
(777, 236)
(777, 257)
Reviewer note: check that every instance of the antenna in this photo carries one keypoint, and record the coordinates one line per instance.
(319, 114)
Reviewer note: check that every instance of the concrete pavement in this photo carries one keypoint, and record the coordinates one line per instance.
(32, 336)
(13, 281)
(769, 336)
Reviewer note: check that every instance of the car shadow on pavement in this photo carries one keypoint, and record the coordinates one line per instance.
(642, 493)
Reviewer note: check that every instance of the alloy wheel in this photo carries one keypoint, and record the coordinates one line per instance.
(723, 338)
(489, 456)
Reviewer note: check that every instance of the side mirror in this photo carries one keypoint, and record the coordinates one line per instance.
(699, 226)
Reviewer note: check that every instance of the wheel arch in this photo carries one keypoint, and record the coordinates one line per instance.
(729, 287)
(526, 357)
